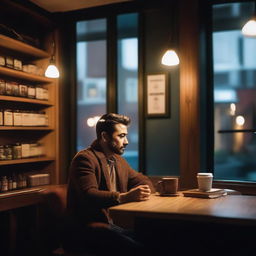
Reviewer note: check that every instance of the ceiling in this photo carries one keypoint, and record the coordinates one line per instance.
(71, 5)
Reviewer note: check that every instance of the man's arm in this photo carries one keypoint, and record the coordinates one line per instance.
(139, 186)
(83, 178)
(139, 193)
(136, 178)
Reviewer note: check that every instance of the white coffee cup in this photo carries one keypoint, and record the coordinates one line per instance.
(204, 180)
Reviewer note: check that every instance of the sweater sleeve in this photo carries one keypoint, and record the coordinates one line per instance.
(136, 178)
(85, 181)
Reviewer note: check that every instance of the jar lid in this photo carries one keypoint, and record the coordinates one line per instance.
(205, 174)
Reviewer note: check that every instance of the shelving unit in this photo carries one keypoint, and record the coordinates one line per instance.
(27, 160)
(46, 135)
(19, 207)
(22, 75)
(25, 128)
(25, 100)
(14, 45)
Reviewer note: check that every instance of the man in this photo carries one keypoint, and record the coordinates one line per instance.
(100, 178)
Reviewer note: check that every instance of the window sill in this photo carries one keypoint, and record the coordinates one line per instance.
(246, 188)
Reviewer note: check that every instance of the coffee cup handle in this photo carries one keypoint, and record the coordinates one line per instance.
(159, 186)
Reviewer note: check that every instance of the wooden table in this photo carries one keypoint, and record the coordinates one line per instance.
(235, 209)
(190, 224)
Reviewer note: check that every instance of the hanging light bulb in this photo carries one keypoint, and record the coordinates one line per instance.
(170, 58)
(249, 29)
(52, 71)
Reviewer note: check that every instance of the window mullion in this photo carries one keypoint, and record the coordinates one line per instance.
(111, 64)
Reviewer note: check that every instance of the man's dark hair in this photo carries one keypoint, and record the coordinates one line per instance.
(108, 121)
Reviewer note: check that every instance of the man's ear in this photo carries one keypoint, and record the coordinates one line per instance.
(104, 136)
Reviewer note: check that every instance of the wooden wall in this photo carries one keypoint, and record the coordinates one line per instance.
(189, 92)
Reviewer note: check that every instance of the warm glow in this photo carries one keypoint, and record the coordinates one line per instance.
(170, 58)
(232, 109)
(92, 121)
(240, 120)
(249, 29)
(52, 71)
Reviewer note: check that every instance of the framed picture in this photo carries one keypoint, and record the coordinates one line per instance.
(157, 95)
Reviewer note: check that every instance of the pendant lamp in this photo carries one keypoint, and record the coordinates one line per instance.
(249, 29)
(52, 71)
(170, 57)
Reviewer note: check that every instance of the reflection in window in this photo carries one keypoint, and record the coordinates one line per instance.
(129, 53)
(127, 25)
(234, 93)
(91, 78)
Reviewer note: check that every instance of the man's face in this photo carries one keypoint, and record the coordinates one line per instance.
(118, 141)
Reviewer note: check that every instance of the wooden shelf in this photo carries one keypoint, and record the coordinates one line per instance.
(18, 46)
(25, 100)
(23, 75)
(238, 130)
(20, 192)
(25, 128)
(27, 160)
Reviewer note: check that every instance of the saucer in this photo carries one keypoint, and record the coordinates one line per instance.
(176, 194)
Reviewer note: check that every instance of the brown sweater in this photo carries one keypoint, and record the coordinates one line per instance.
(89, 194)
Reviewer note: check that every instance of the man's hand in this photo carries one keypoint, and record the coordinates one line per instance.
(140, 193)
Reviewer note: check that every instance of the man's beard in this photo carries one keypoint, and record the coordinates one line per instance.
(113, 147)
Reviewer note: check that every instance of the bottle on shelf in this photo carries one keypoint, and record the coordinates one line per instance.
(2, 153)
(17, 151)
(20, 182)
(24, 181)
(2, 87)
(10, 183)
(4, 186)
(1, 117)
(8, 152)
(14, 181)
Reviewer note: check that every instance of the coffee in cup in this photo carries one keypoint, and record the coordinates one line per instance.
(167, 186)
(204, 180)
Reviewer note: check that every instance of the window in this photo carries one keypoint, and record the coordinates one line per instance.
(127, 74)
(92, 77)
(234, 64)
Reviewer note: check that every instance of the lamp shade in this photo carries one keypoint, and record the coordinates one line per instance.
(249, 29)
(170, 58)
(52, 71)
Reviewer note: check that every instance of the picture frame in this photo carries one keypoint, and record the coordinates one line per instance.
(157, 95)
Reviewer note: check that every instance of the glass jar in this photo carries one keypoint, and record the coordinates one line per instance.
(45, 93)
(2, 154)
(31, 92)
(25, 151)
(39, 93)
(17, 64)
(23, 90)
(33, 149)
(8, 152)
(1, 117)
(4, 186)
(9, 62)
(2, 87)
(14, 181)
(24, 118)
(2, 61)
(17, 119)
(9, 88)
(15, 89)
(17, 151)
(8, 117)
